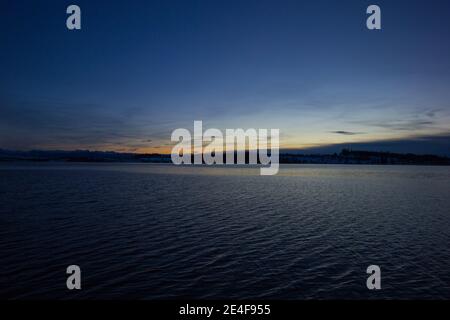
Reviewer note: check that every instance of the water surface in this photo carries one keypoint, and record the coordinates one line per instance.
(152, 231)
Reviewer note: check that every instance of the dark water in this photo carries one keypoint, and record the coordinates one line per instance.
(163, 232)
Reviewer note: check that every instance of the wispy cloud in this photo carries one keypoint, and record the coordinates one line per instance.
(425, 119)
(404, 125)
(347, 133)
(431, 144)
(52, 123)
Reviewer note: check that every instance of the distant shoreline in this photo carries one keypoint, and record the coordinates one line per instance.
(344, 157)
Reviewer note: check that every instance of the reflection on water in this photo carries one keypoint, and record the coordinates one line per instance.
(159, 231)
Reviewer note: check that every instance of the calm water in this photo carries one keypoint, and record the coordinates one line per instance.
(161, 232)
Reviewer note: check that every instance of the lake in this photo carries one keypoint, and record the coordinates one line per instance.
(156, 231)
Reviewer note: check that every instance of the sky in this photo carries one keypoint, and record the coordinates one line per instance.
(137, 70)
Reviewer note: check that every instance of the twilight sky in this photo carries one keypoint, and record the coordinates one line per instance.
(140, 69)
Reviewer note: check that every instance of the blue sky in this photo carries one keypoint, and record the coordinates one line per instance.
(140, 69)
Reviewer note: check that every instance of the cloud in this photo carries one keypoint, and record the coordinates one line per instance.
(347, 133)
(405, 125)
(426, 119)
(430, 144)
(50, 123)
(399, 125)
